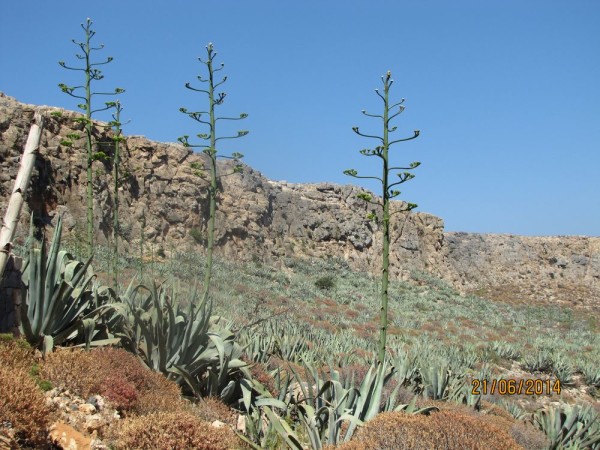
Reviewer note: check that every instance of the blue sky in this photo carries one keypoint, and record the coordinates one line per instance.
(506, 93)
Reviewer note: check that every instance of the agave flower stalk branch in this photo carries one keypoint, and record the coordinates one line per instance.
(117, 138)
(387, 195)
(91, 74)
(214, 99)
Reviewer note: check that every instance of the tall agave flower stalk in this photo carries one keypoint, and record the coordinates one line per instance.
(210, 149)
(388, 193)
(92, 73)
(118, 139)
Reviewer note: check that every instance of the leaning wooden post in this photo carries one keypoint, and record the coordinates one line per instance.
(11, 218)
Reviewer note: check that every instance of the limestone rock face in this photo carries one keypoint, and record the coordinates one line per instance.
(517, 268)
(163, 204)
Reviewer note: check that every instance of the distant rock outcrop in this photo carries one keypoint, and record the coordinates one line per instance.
(163, 198)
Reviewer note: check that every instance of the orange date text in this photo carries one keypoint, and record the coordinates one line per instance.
(510, 386)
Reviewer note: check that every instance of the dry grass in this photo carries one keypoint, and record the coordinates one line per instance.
(171, 431)
(16, 353)
(24, 415)
(210, 409)
(451, 430)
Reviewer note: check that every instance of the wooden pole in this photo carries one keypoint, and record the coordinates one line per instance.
(15, 204)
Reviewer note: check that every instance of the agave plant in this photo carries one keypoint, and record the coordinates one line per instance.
(562, 370)
(569, 426)
(506, 350)
(538, 362)
(439, 382)
(259, 347)
(406, 368)
(63, 301)
(591, 372)
(186, 344)
(331, 409)
(514, 409)
(256, 399)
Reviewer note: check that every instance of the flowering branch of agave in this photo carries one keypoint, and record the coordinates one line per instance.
(91, 74)
(210, 149)
(118, 139)
(382, 151)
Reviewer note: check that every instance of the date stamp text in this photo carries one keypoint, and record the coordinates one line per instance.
(528, 386)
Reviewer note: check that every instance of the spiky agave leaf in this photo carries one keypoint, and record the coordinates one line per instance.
(61, 297)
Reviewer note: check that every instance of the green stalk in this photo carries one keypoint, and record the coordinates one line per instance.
(88, 133)
(383, 314)
(214, 99)
(382, 152)
(212, 190)
(116, 162)
(91, 74)
(143, 234)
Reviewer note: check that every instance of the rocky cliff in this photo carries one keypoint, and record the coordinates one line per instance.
(163, 199)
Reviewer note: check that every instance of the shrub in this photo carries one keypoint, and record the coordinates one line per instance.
(95, 372)
(528, 436)
(75, 370)
(450, 430)
(23, 410)
(121, 393)
(197, 235)
(325, 282)
(23, 406)
(167, 398)
(171, 431)
(210, 409)
(15, 353)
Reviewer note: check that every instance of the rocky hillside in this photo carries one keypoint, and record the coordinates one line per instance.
(163, 199)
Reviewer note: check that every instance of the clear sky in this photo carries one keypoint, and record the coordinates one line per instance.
(506, 93)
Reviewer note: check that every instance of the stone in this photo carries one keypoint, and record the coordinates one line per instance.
(241, 423)
(87, 408)
(65, 437)
(94, 422)
(97, 401)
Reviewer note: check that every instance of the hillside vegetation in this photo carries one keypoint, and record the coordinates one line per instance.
(307, 331)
